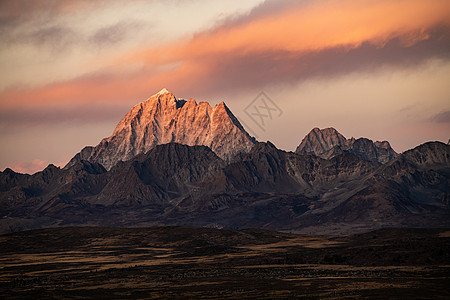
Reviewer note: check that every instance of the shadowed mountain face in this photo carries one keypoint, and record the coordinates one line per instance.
(164, 119)
(165, 172)
(328, 143)
(176, 184)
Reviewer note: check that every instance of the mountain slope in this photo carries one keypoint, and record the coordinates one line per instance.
(328, 143)
(174, 184)
(164, 119)
(165, 172)
(319, 141)
(413, 190)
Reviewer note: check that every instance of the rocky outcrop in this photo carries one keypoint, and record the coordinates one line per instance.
(328, 143)
(319, 141)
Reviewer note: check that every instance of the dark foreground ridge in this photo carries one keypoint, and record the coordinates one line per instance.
(205, 263)
(180, 185)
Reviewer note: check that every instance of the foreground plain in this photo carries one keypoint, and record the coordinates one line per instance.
(204, 263)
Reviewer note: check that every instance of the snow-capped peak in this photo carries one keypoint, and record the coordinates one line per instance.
(162, 92)
(163, 119)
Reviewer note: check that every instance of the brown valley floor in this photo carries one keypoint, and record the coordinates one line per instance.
(203, 263)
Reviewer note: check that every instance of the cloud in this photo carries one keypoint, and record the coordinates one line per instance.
(442, 117)
(107, 89)
(112, 34)
(60, 38)
(297, 41)
(56, 38)
(33, 24)
(59, 25)
(208, 74)
(277, 43)
(312, 27)
(236, 70)
(13, 119)
(16, 11)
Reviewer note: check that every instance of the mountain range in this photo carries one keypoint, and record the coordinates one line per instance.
(328, 143)
(176, 162)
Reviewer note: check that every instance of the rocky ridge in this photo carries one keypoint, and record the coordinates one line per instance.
(328, 143)
(175, 184)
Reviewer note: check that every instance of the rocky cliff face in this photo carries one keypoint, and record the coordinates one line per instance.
(328, 143)
(319, 141)
(164, 119)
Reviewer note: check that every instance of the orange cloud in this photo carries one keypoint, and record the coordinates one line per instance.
(110, 90)
(105, 88)
(313, 27)
(320, 38)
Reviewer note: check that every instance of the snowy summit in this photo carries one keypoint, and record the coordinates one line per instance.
(162, 92)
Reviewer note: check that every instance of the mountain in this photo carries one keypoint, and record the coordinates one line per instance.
(319, 141)
(175, 184)
(328, 143)
(411, 191)
(176, 162)
(163, 119)
(164, 173)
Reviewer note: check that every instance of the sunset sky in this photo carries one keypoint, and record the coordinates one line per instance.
(70, 70)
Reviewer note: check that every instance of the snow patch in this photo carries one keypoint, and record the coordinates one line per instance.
(162, 92)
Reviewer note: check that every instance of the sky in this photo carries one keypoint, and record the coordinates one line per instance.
(70, 70)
